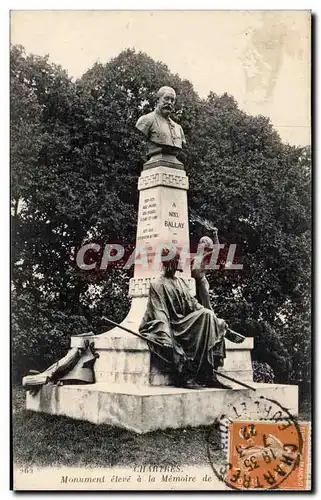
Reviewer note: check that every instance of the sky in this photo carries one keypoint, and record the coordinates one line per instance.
(262, 58)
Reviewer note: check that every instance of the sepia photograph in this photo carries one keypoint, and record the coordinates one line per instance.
(161, 240)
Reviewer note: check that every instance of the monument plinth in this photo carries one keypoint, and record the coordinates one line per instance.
(162, 220)
(162, 159)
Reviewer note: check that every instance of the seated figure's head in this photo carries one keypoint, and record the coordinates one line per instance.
(166, 100)
(171, 261)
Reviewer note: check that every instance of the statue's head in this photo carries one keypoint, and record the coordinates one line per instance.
(166, 100)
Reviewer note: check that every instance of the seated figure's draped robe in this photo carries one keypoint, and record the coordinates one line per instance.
(184, 332)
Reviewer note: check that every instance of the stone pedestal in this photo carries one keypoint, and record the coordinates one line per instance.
(145, 409)
(162, 219)
(163, 160)
(132, 388)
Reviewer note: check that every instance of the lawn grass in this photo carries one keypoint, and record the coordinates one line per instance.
(41, 440)
(46, 440)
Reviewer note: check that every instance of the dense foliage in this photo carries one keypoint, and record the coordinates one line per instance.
(75, 161)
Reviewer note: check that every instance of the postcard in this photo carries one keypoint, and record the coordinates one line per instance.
(161, 250)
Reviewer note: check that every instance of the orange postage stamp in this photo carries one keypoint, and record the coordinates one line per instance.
(268, 455)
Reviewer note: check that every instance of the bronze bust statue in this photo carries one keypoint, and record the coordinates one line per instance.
(164, 135)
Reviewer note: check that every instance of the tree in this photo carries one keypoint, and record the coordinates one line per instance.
(258, 194)
(75, 164)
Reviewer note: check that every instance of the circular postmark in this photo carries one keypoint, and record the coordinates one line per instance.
(256, 444)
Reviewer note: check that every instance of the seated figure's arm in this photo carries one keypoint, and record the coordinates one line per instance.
(193, 303)
(216, 241)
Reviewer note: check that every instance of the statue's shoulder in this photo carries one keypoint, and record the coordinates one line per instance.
(144, 123)
(145, 120)
(179, 129)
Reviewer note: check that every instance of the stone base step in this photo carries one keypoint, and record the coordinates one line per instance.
(126, 359)
(145, 409)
